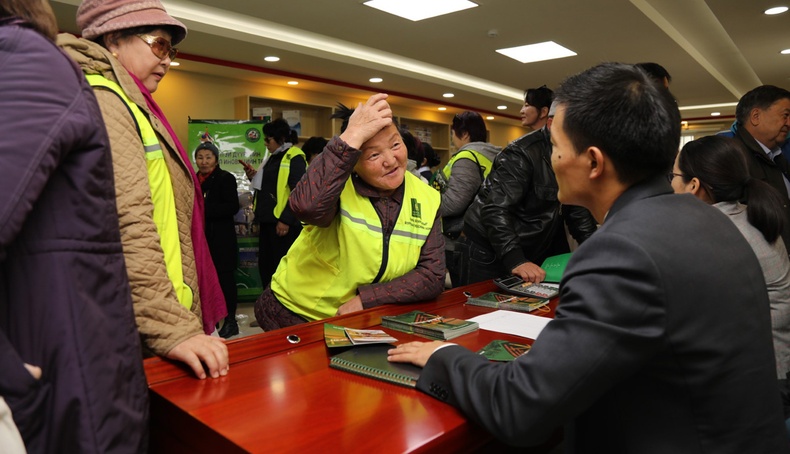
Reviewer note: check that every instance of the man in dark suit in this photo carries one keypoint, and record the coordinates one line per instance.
(662, 338)
(762, 123)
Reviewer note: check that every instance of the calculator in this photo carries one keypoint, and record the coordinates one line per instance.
(516, 285)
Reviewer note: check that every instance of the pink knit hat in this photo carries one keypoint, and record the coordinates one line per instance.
(97, 17)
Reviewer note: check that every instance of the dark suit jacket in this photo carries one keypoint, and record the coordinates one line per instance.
(661, 343)
(763, 168)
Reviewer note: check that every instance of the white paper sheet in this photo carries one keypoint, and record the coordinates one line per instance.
(510, 322)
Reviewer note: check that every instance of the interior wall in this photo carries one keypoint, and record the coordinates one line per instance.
(183, 94)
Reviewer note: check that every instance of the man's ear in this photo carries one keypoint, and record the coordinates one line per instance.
(754, 116)
(597, 162)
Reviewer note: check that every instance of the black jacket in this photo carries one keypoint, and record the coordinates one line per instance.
(763, 168)
(222, 203)
(516, 212)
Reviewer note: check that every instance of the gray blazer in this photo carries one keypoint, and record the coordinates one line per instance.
(661, 343)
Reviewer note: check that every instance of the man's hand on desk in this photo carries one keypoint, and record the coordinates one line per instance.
(416, 353)
(201, 349)
(352, 305)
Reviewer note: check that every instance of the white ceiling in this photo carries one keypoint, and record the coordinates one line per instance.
(716, 50)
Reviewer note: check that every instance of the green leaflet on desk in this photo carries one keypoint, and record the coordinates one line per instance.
(501, 350)
(554, 267)
(339, 336)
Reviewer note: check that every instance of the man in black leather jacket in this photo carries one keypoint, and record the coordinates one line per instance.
(516, 220)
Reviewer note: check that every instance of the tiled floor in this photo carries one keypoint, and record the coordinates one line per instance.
(245, 316)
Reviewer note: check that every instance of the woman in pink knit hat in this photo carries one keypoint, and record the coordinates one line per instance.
(125, 51)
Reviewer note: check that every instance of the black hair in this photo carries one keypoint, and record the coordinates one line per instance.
(471, 123)
(620, 110)
(430, 155)
(279, 130)
(539, 97)
(313, 146)
(655, 71)
(719, 162)
(342, 113)
(761, 97)
(413, 147)
(208, 146)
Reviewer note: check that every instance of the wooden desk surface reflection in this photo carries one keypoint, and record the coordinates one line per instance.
(283, 397)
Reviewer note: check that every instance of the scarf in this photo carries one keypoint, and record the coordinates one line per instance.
(212, 302)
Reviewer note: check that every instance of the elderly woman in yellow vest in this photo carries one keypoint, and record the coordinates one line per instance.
(273, 182)
(125, 51)
(371, 235)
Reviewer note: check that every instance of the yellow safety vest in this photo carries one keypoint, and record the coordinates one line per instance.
(161, 193)
(326, 265)
(442, 178)
(283, 191)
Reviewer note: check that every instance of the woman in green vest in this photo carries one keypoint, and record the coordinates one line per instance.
(125, 51)
(371, 236)
(461, 178)
(273, 182)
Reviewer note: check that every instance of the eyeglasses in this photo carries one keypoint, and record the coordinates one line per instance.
(267, 139)
(671, 176)
(160, 46)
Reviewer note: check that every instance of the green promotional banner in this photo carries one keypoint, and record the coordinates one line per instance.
(236, 140)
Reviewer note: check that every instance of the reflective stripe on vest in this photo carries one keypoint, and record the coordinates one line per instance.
(283, 191)
(326, 265)
(164, 214)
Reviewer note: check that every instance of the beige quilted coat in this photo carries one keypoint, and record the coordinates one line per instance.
(162, 321)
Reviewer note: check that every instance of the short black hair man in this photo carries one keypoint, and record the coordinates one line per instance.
(762, 123)
(662, 338)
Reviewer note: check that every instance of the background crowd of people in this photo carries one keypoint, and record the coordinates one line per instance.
(139, 247)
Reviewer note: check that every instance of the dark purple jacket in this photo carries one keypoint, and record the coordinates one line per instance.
(64, 297)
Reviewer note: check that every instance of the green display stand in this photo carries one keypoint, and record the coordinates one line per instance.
(248, 278)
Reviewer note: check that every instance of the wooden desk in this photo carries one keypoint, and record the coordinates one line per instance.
(283, 397)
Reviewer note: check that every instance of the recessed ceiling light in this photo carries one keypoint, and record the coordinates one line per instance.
(715, 114)
(490, 117)
(442, 108)
(416, 10)
(785, 52)
(376, 80)
(501, 107)
(175, 63)
(529, 53)
(448, 95)
(776, 10)
(293, 82)
(271, 58)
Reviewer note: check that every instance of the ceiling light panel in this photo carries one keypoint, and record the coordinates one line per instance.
(529, 53)
(416, 10)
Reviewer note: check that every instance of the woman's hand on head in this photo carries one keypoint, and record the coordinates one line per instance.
(367, 120)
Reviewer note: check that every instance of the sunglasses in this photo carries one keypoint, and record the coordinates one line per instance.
(160, 46)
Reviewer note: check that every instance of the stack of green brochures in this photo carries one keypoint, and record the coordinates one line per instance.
(508, 302)
(429, 325)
